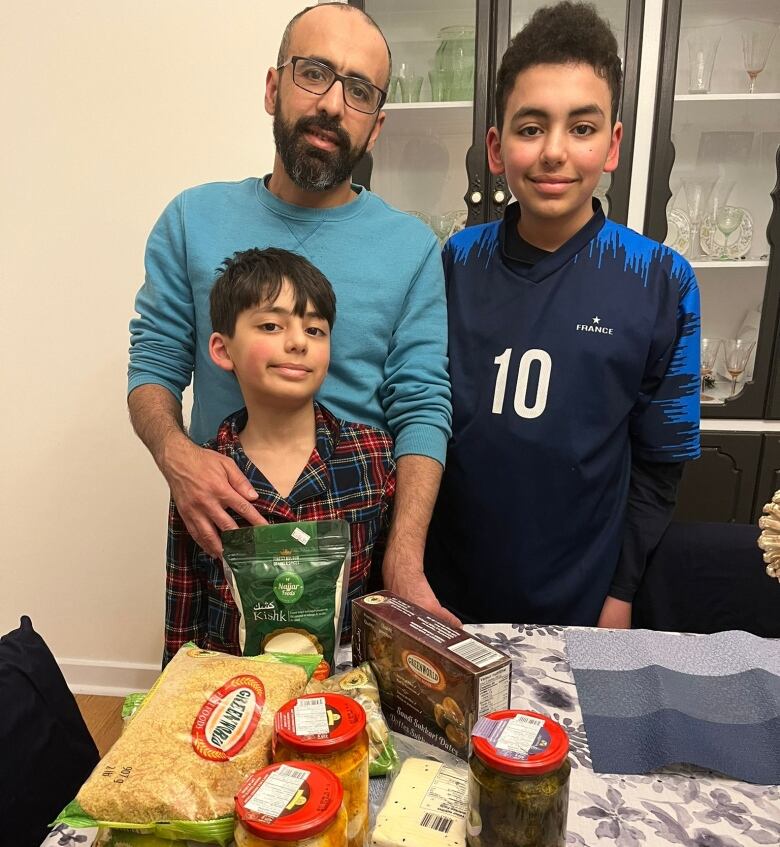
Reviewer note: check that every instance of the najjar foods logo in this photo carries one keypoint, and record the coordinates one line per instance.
(228, 718)
(425, 671)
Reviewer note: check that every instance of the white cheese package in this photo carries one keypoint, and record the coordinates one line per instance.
(425, 806)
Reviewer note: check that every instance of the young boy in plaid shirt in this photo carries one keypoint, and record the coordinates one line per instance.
(272, 313)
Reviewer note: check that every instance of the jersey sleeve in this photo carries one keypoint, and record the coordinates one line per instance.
(415, 392)
(664, 423)
(162, 337)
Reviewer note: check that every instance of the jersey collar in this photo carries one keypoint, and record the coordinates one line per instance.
(548, 265)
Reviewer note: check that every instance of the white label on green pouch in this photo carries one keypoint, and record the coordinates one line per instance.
(299, 535)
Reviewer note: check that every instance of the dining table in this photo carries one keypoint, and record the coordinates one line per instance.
(676, 805)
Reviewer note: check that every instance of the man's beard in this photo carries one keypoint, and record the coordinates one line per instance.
(309, 167)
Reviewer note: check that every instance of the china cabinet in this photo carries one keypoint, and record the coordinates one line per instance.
(430, 158)
(713, 194)
(712, 191)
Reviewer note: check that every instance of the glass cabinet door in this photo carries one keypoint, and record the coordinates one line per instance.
(625, 17)
(716, 194)
(419, 158)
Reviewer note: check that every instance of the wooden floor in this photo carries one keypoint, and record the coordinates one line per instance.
(103, 716)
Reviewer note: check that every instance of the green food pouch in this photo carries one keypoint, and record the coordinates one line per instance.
(289, 582)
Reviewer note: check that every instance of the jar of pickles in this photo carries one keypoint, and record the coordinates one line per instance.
(296, 804)
(518, 781)
(329, 729)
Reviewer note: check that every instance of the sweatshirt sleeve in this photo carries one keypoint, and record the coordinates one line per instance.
(162, 337)
(415, 392)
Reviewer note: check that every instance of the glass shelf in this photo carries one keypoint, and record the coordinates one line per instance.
(737, 263)
(721, 392)
(712, 98)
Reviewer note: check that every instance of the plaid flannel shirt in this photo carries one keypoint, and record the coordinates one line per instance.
(350, 475)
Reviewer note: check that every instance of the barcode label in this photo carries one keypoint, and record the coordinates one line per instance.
(436, 822)
(311, 717)
(475, 652)
(276, 793)
(520, 734)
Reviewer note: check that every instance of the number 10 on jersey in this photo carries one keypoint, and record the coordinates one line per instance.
(521, 386)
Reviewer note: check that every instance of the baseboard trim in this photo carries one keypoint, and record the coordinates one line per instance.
(106, 678)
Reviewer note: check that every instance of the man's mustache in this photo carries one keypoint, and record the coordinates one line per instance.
(324, 124)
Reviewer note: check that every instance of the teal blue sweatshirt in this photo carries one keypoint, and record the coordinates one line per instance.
(389, 345)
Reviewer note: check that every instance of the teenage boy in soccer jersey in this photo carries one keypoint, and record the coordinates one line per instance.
(574, 357)
(272, 313)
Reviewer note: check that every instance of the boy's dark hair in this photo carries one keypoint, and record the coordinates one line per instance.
(255, 276)
(567, 33)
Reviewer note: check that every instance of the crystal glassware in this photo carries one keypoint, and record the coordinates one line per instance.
(720, 195)
(737, 352)
(697, 195)
(438, 81)
(411, 87)
(709, 353)
(410, 84)
(702, 48)
(757, 41)
(728, 219)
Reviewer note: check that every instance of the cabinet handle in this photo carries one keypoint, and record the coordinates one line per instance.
(476, 198)
(499, 197)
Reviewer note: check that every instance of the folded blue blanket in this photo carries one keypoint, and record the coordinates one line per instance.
(651, 699)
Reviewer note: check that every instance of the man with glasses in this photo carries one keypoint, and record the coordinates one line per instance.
(388, 361)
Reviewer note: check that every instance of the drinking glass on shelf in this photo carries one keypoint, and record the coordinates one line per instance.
(438, 81)
(697, 195)
(737, 352)
(728, 219)
(702, 48)
(756, 43)
(410, 83)
(709, 353)
(394, 90)
(720, 195)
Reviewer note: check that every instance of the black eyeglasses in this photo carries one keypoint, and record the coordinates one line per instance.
(316, 78)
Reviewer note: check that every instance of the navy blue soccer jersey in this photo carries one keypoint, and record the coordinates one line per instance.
(561, 371)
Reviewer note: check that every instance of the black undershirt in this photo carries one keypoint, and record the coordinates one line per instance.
(652, 493)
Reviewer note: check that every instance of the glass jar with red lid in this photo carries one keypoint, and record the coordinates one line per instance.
(518, 781)
(329, 729)
(295, 804)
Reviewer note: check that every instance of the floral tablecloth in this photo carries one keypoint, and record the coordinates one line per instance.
(684, 805)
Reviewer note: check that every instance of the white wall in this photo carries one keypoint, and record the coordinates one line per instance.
(107, 109)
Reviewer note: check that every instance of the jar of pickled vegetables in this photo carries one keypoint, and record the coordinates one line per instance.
(518, 781)
(296, 804)
(330, 729)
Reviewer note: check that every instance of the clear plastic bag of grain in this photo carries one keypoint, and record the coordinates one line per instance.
(203, 728)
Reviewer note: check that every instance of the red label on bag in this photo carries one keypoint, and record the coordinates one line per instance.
(228, 718)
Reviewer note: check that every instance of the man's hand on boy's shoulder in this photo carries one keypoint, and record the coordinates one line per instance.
(204, 485)
(615, 614)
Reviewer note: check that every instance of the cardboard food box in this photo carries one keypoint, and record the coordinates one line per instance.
(435, 682)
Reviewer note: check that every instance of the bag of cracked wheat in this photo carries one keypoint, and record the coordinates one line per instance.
(203, 728)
